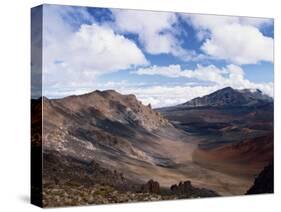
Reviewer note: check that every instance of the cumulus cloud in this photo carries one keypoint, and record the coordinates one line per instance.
(231, 75)
(207, 73)
(154, 28)
(235, 39)
(60, 22)
(239, 44)
(208, 22)
(156, 31)
(77, 56)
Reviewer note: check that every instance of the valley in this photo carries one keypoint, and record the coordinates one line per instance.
(106, 138)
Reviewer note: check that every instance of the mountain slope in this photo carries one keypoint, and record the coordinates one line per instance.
(116, 131)
(107, 123)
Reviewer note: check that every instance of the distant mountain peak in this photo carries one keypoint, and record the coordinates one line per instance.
(226, 89)
(230, 97)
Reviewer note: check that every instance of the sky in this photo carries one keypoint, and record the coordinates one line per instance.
(164, 58)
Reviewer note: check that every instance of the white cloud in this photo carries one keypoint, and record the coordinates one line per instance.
(231, 75)
(77, 56)
(161, 96)
(213, 21)
(156, 31)
(239, 44)
(154, 28)
(59, 22)
(257, 22)
(235, 39)
(208, 73)
(98, 49)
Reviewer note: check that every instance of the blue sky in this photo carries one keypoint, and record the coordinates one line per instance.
(164, 58)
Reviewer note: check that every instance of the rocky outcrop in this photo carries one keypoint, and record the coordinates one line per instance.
(186, 190)
(182, 188)
(264, 182)
(151, 187)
